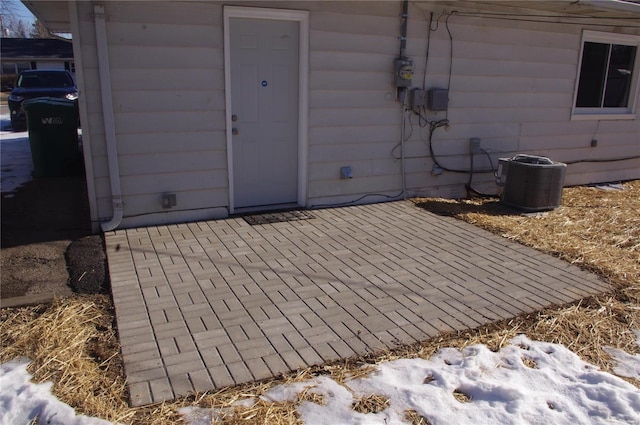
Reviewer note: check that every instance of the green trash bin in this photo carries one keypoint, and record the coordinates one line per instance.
(53, 136)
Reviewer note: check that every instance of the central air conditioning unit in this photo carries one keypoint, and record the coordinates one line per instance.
(531, 183)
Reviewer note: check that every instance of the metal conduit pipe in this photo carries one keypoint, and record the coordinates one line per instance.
(402, 153)
(108, 119)
(403, 31)
(403, 53)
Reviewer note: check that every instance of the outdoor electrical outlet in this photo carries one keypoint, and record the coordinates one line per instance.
(474, 145)
(169, 200)
(346, 173)
(594, 143)
(436, 170)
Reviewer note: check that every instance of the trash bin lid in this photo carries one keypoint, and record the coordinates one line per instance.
(48, 101)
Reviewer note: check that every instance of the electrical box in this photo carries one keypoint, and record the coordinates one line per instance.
(438, 99)
(403, 71)
(474, 145)
(418, 98)
(169, 200)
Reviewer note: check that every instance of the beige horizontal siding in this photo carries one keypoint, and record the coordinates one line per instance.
(512, 85)
(168, 96)
(166, 163)
(587, 173)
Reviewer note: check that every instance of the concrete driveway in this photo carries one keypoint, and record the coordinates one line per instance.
(205, 305)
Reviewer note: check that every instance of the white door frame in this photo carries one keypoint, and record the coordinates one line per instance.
(302, 17)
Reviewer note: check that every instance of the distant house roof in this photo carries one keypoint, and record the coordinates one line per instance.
(35, 48)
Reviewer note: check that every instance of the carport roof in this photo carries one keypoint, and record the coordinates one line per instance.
(55, 14)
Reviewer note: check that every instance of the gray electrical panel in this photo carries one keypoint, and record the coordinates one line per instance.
(438, 99)
(417, 98)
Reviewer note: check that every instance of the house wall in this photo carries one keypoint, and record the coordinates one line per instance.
(511, 84)
(15, 66)
(50, 64)
(168, 96)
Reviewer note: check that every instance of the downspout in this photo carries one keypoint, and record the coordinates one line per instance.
(108, 119)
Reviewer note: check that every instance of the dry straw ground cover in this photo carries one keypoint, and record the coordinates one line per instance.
(73, 342)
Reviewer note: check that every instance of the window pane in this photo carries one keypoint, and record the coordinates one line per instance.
(22, 66)
(619, 78)
(592, 75)
(8, 68)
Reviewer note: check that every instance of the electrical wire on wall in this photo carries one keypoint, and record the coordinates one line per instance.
(433, 125)
(355, 201)
(426, 55)
(421, 112)
(469, 185)
(446, 25)
(403, 75)
(582, 20)
(624, 158)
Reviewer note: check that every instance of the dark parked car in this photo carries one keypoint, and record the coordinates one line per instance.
(39, 83)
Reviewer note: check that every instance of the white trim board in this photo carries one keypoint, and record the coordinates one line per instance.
(87, 149)
(302, 17)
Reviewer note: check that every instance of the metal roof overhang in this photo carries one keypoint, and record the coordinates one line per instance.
(54, 14)
(620, 5)
(614, 9)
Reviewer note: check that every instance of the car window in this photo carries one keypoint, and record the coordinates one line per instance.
(45, 79)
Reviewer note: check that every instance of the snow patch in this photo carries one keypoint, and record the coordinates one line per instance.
(23, 402)
(16, 163)
(627, 365)
(526, 382)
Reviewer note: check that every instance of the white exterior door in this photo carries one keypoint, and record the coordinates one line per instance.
(264, 85)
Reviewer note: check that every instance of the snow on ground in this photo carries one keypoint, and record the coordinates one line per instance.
(16, 165)
(23, 402)
(526, 382)
(626, 364)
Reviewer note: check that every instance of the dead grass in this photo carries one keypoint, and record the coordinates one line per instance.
(372, 403)
(461, 396)
(262, 412)
(309, 395)
(595, 229)
(414, 418)
(72, 342)
(530, 363)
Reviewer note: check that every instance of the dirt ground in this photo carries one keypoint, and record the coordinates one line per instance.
(47, 248)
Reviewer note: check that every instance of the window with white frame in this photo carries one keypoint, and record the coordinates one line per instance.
(607, 82)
